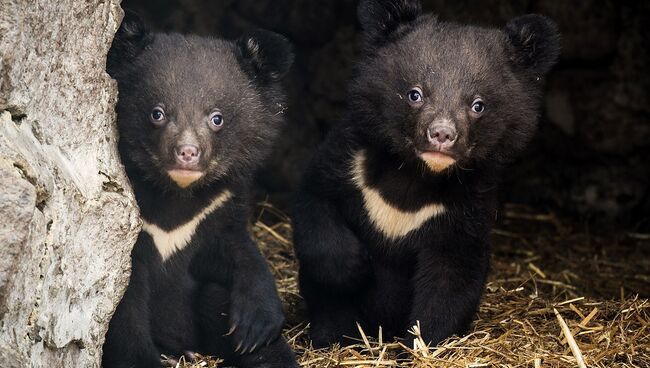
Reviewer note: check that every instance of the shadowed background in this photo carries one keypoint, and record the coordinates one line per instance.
(589, 159)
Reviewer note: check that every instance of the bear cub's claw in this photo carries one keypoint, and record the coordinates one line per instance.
(254, 324)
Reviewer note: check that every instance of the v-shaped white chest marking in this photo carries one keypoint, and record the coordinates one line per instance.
(389, 220)
(169, 242)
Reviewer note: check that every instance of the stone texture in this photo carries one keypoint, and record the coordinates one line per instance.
(69, 218)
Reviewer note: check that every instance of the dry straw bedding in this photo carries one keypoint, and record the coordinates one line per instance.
(559, 295)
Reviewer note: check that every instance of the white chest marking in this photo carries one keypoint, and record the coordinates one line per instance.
(392, 222)
(169, 242)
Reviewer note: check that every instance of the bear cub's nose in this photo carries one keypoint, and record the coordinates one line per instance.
(187, 154)
(442, 136)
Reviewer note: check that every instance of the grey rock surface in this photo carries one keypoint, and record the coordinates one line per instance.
(68, 217)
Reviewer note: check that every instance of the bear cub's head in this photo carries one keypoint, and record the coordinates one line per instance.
(194, 110)
(445, 94)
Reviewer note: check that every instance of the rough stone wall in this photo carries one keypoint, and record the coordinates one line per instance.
(589, 156)
(67, 216)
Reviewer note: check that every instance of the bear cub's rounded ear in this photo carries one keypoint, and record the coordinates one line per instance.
(267, 55)
(380, 18)
(536, 42)
(131, 38)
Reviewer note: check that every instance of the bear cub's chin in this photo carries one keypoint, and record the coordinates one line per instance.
(184, 178)
(437, 161)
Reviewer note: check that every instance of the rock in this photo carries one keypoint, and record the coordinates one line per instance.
(69, 219)
(622, 193)
(628, 100)
(493, 13)
(606, 106)
(308, 23)
(195, 16)
(589, 28)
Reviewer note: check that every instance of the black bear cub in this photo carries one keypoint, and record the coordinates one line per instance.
(392, 219)
(196, 116)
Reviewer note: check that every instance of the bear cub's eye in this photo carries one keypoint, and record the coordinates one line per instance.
(478, 106)
(216, 120)
(157, 115)
(415, 95)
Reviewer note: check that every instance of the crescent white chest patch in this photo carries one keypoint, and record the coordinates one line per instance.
(169, 242)
(389, 220)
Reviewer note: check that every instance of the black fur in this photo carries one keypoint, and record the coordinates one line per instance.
(219, 282)
(381, 18)
(130, 40)
(535, 39)
(350, 270)
(267, 55)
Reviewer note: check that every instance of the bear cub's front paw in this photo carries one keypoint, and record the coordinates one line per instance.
(256, 319)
